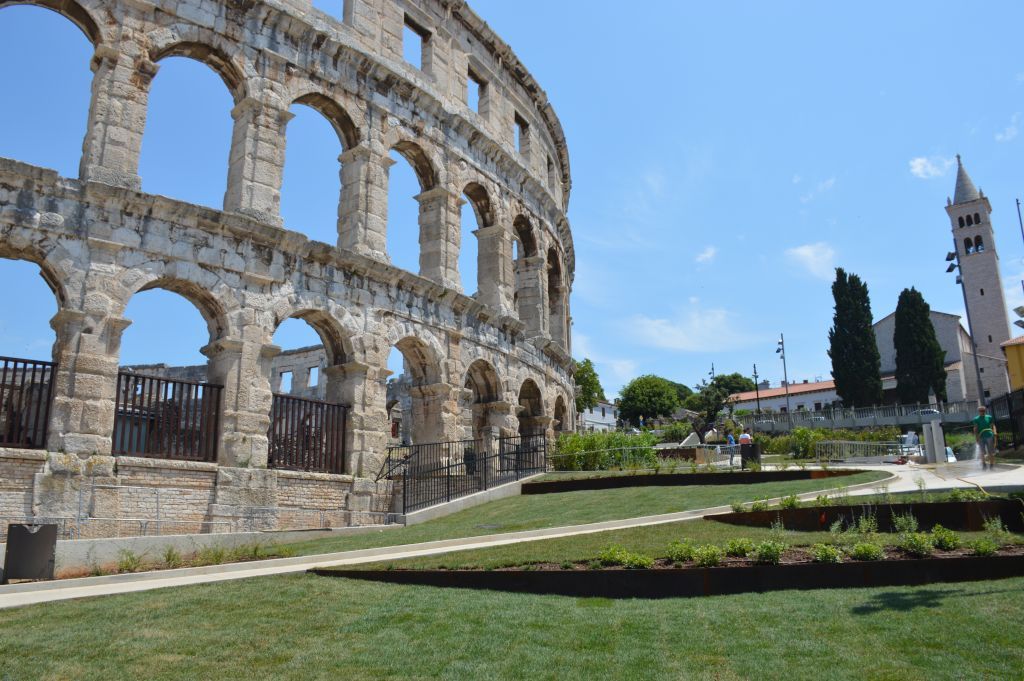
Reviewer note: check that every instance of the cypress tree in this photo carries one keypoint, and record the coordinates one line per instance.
(920, 360)
(855, 361)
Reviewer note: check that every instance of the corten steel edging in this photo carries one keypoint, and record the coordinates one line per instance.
(686, 582)
(953, 515)
(679, 479)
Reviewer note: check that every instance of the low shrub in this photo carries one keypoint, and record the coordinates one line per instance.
(172, 559)
(567, 565)
(945, 540)
(790, 502)
(867, 551)
(867, 524)
(823, 500)
(680, 551)
(769, 552)
(968, 495)
(616, 555)
(211, 555)
(604, 451)
(739, 548)
(916, 544)
(128, 561)
(759, 505)
(826, 553)
(904, 523)
(737, 507)
(708, 555)
(996, 531)
(983, 546)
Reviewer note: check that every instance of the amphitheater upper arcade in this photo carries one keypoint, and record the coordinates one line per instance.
(99, 240)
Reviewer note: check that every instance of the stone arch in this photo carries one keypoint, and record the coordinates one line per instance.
(336, 115)
(556, 298)
(422, 360)
(482, 380)
(420, 161)
(524, 232)
(531, 409)
(561, 415)
(480, 200)
(336, 341)
(205, 48)
(71, 10)
(49, 263)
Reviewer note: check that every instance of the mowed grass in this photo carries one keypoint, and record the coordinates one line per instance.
(573, 508)
(308, 627)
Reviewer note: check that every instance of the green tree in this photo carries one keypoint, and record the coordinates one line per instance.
(681, 390)
(648, 396)
(855, 361)
(920, 360)
(589, 386)
(733, 383)
(706, 404)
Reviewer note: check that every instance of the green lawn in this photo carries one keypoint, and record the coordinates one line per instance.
(572, 508)
(308, 627)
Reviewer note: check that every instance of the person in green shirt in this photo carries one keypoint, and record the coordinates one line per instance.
(985, 436)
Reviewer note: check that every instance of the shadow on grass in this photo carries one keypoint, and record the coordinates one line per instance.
(905, 601)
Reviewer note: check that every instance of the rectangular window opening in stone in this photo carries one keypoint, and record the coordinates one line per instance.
(415, 41)
(551, 173)
(476, 93)
(522, 135)
(285, 387)
(314, 377)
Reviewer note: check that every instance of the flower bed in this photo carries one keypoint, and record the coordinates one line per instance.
(676, 479)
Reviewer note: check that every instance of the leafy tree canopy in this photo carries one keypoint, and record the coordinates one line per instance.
(733, 383)
(920, 360)
(649, 396)
(588, 385)
(707, 403)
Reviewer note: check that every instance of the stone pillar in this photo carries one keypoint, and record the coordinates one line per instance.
(435, 413)
(531, 300)
(535, 425)
(440, 225)
(494, 264)
(363, 209)
(117, 118)
(85, 382)
(245, 401)
(362, 388)
(556, 316)
(256, 162)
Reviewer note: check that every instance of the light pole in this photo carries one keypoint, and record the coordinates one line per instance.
(954, 262)
(712, 372)
(781, 351)
(757, 392)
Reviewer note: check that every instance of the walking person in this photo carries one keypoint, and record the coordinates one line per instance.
(985, 435)
(730, 444)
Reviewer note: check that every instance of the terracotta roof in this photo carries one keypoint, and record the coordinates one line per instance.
(794, 389)
(1019, 340)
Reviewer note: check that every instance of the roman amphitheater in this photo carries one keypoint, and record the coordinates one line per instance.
(106, 449)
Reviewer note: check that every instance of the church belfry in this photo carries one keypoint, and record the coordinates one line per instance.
(969, 215)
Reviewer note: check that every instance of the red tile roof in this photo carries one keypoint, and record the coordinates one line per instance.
(794, 389)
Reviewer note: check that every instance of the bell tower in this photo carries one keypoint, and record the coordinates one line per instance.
(969, 215)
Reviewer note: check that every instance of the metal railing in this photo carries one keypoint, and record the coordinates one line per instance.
(861, 452)
(860, 417)
(162, 418)
(307, 435)
(26, 392)
(439, 472)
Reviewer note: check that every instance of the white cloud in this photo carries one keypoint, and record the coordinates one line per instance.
(929, 167)
(796, 179)
(1010, 131)
(821, 188)
(691, 330)
(817, 258)
(707, 255)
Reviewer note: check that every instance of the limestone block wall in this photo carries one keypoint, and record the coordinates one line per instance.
(18, 468)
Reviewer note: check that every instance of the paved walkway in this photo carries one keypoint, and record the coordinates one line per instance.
(904, 478)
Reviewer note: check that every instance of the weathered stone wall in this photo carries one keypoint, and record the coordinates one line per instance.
(99, 240)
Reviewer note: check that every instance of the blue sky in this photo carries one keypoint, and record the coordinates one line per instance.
(725, 157)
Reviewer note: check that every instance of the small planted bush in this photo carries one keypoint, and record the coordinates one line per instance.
(708, 555)
(128, 561)
(790, 502)
(967, 495)
(759, 505)
(823, 500)
(616, 555)
(867, 551)
(904, 523)
(172, 559)
(739, 548)
(916, 544)
(211, 555)
(996, 531)
(680, 551)
(738, 507)
(945, 540)
(867, 524)
(983, 547)
(826, 553)
(769, 552)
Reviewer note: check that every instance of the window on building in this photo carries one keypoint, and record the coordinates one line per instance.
(522, 135)
(476, 93)
(982, 291)
(981, 370)
(990, 338)
(602, 412)
(979, 245)
(961, 220)
(977, 219)
(285, 386)
(969, 221)
(551, 173)
(817, 406)
(314, 377)
(782, 410)
(415, 40)
(968, 246)
(988, 393)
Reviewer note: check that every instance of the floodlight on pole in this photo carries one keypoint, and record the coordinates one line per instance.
(951, 268)
(781, 351)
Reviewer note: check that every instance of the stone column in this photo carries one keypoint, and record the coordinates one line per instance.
(556, 316)
(363, 209)
(494, 264)
(439, 237)
(435, 413)
(362, 388)
(245, 402)
(256, 163)
(117, 118)
(532, 295)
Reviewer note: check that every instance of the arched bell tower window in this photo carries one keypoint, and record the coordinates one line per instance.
(979, 245)
(977, 219)
(962, 221)
(969, 221)
(968, 246)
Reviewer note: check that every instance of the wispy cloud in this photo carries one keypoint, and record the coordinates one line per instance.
(707, 255)
(613, 371)
(1010, 131)
(821, 188)
(927, 167)
(797, 179)
(692, 329)
(818, 259)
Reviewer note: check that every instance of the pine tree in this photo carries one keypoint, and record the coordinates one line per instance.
(855, 361)
(920, 359)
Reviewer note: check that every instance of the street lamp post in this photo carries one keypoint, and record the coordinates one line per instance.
(954, 263)
(781, 351)
(757, 392)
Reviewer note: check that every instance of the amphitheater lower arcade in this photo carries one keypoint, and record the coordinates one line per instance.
(105, 449)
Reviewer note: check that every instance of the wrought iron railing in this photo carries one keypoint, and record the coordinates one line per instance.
(439, 472)
(166, 419)
(26, 391)
(307, 435)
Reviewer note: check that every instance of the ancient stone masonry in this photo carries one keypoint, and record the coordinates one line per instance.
(474, 364)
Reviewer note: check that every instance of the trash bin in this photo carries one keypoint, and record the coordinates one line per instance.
(31, 550)
(750, 454)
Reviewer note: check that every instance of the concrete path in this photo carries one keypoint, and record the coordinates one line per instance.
(904, 478)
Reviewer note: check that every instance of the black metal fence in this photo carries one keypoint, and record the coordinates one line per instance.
(166, 419)
(307, 435)
(1008, 412)
(26, 391)
(436, 473)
